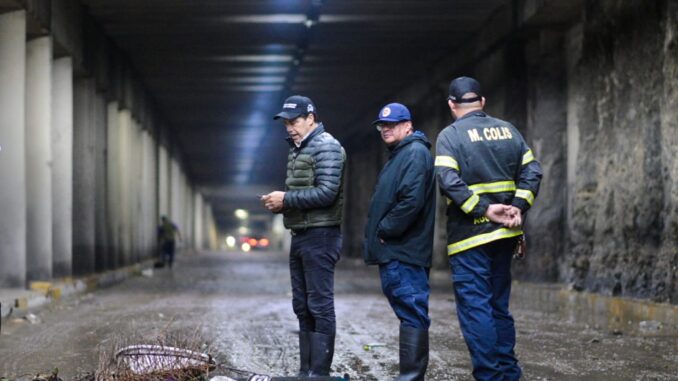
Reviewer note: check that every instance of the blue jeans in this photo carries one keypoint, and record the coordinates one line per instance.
(313, 256)
(482, 286)
(407, 290)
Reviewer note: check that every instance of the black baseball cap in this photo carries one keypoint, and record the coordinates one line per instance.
(295, 106)
(463, 85)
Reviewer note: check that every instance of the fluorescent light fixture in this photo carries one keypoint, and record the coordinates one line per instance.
(254, 88)
(255, 79)
(279, 18)
(255, 58)
(261, 70)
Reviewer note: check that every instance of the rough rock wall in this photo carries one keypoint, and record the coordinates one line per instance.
(623, 220)
(545, 130)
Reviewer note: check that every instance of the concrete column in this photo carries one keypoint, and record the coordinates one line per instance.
(113, 184)
(38, 157)
(12, 149)
(84, 185)
(197, 221)
(206, 226)
(101, 246)
(148, 194)
(134, 174)
(188, 212)
(174, 190)
(124, 185)
(214, 245)
(163, 181)
(62, 167)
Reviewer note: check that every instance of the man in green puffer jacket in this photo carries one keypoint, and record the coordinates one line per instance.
(312, 208)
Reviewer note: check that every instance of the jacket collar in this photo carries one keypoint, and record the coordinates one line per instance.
(318, 130)
(480, 113)
(417, 136)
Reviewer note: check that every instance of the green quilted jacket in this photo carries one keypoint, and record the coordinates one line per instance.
(314, 194)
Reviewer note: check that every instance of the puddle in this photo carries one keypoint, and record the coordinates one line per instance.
(613, 314)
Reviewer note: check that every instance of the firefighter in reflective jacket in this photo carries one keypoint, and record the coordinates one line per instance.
(490, 178)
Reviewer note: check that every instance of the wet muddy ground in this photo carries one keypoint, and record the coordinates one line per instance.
(240, 304)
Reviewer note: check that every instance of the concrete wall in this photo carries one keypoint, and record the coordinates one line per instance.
(592, 85)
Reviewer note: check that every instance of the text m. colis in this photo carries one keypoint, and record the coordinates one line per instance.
(490, 133)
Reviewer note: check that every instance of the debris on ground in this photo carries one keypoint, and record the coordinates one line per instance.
(176, 357)
(54, 376)
(152, 359)
(33, 319)
(650, 326)
(371, 346)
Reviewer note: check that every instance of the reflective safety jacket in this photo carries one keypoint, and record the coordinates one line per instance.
(481, 160)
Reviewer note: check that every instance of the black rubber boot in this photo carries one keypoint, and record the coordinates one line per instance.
(322, 351)
(413, 354)
(304, 353)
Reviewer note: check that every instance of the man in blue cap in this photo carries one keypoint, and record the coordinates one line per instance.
(312, 206)
(399, 233)
(490, 178)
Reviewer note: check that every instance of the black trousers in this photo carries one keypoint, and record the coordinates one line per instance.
(313, 256)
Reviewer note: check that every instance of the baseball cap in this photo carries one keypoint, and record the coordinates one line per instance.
(463, 85)
(295, 106)
(393, 112)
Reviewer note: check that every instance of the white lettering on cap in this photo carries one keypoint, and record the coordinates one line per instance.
(290, 105)
(385, 112)
(309, 108)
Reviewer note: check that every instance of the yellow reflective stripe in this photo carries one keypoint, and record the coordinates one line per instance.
(482, 239)
(526, 194)
(446, 161)
(495, 187)
(528, 157)
(470, 203)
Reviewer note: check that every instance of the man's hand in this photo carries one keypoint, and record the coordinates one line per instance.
(273, 201)
(507, 215)
(516, 217)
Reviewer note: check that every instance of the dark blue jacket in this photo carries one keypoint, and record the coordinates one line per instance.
(402, 209)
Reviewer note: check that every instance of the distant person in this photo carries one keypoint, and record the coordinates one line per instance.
(312, 208)
(399, 233)
(168, 233)
(490, 178)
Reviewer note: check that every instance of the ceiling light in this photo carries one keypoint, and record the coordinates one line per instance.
(281, 18)
(256, 58)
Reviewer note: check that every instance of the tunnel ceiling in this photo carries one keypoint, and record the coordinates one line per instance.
(219, 69)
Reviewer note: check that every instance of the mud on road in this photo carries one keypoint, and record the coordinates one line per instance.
(240, 305)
